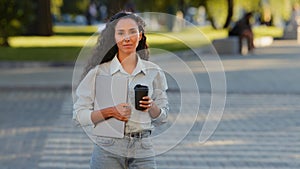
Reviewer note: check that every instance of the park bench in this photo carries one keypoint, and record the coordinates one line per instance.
(231, 45)
(292, 34)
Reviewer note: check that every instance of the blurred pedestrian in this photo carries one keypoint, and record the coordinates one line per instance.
(243, 29)
(122, 51)
(91, 13)
(103, 12)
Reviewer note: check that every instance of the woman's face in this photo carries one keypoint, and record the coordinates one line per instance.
(127, 35)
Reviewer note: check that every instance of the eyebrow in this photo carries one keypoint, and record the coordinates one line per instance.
(129, 29)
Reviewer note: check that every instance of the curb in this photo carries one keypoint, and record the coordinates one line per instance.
(38, 88)
(33, 64)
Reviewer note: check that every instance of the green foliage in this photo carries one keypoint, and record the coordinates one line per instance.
(248, 6)
(195, 3)
(277, 11)
(75, 6)
(281, 9)
(65, 48)
(55, 7)
(217, 12)
(167, 6)
(270, 10)
(294, 2)
(14, 16)
(262, 31)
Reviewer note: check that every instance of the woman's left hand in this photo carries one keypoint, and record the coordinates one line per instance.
(146, 103)
(150, 106)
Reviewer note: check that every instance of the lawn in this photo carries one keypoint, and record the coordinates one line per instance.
(67, 42)
(63, 54)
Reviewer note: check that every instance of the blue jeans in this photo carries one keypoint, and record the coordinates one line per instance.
(125, 153)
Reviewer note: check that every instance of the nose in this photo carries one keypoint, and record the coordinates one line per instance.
(126, 38)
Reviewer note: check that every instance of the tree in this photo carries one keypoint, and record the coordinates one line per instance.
(217, 12)
(14, 16)
(42, 25)
(44, 18)
(55, 8)
(75, 7)
(6, 23)
(30, 17)
(229, 13)
(222, 12)
(115, 6)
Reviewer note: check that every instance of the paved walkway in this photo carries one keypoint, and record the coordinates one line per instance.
(259, 129)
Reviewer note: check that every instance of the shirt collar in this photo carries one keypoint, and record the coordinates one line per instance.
(116, 66)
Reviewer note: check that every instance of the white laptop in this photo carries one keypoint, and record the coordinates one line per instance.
(110, 91)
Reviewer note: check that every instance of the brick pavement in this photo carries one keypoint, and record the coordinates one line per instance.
(256, 132)
(259, 129)
(26, 118)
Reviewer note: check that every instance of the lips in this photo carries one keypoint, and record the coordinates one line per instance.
(127, 45)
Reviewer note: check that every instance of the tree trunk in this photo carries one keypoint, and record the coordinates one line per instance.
(229, 13)
(5, 35)
(5, 42)
(42, 25)
(44, 18)
(115, 6)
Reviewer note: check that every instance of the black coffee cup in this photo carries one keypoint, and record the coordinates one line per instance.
(140, 91)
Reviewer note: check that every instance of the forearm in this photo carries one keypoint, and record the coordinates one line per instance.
(103, 114)
(154, 111)
(120, 112)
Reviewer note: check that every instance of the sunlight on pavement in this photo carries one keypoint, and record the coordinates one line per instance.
(248, 64)
(216, 143)
(15, 156)
(22, 130)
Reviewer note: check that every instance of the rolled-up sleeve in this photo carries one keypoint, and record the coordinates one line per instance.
(84, 105)
(160, 98)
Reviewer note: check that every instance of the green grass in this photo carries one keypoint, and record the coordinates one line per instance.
(186, 39)
(268, 31)
(52, 41)
(60, 54)
(75, 30)
(67, 42)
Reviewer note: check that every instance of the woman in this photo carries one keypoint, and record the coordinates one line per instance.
(122, 51)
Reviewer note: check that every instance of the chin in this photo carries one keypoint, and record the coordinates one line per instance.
(128, 51)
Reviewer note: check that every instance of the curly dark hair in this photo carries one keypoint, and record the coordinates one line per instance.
(106, 47)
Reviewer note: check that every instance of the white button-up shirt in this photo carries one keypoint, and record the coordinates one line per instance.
(145, 73)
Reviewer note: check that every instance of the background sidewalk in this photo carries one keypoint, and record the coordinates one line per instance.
(273, 69)
(259, 129)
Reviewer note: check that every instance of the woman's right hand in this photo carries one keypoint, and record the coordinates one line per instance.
(122, 112)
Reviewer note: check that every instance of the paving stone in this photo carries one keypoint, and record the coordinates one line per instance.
(259, 129)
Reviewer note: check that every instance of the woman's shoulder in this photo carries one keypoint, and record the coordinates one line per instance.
(103, 68)
(99, 69)
(149, 64)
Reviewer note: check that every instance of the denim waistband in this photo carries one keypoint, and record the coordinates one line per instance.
(141, 134)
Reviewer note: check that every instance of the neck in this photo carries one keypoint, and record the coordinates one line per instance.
(128, 62)
(127, 58)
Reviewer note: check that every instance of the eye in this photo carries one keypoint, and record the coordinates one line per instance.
(133, 32)
(120, 33)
